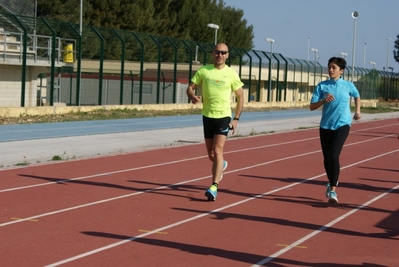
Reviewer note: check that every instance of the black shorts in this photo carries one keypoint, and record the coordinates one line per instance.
(215, 126)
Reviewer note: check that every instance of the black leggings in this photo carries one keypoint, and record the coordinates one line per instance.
(332, 142)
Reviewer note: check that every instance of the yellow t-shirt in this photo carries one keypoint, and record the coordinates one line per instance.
(217, 86)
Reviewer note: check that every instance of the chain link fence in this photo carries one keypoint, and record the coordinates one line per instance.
(105, 66)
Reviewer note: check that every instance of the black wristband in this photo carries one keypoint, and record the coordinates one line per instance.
(236, 119)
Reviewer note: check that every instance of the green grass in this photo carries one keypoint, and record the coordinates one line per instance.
(100, 114)
(56, 157)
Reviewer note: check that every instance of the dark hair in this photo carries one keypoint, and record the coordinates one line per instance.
(339, 61)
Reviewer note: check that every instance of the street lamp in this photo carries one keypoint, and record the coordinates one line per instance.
(216, 27)
(343, 54)
(271, 47)
(309, 37)
(388, 39)
(315, 60)
(373, 64)
(355, 14)
(270, 66)
(315, 54)
(364, 55)
(271, 44)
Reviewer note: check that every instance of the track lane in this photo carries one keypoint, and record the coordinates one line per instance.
(193, 192)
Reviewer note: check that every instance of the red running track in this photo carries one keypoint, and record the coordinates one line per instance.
(149, 209)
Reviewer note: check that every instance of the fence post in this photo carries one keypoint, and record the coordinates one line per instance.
(24, 54)
(122, 66)
(141, 67)
(174, 69)
(52, 69)
(100, 91)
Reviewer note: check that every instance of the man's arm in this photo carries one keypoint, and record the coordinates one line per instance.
(240, 102)
(239, 106)
(191, 93)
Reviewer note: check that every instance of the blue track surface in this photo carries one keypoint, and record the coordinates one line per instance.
(18, 132)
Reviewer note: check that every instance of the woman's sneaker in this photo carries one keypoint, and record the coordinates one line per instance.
(225, 164)
(328, 190)
(224, 167)
(211, 193)
(332, 197)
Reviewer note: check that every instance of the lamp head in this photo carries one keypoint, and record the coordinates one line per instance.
(213, 26)
(355, 14)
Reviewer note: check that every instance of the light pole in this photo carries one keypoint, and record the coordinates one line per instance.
(216, 27)
(309, 37)
(373, 73)
(355, 14)
(344, 55)
(270, 67)
(364, 55)
(315, 60)
(388, 39)
(315, 54)
(271, 41)
(271, 44)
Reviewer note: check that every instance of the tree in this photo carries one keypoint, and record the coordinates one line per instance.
(173, 18)
(396, 49)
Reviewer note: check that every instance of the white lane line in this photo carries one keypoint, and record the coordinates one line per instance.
(321, 229)
(188, 181)
(179, 161)
(146, 191)
(99, 174)
(147, 166)
(161, 229)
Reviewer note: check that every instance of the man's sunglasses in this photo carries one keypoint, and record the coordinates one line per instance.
(217, 52)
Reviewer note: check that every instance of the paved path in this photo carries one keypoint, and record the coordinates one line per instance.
(41, 142)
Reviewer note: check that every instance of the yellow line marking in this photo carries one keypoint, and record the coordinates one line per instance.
(31, 220)
(282, 245)
(147, 231)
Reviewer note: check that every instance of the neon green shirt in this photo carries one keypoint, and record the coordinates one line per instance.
(217, 86)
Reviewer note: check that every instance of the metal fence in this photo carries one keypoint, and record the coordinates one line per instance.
(105, 66)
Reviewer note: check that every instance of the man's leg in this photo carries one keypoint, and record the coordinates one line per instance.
(215, 133)
(214, 148)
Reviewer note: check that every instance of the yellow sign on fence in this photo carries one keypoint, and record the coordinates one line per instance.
(68, 53)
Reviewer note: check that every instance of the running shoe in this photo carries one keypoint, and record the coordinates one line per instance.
(225, 165)
(211, 193)
(333, 198)
(328, 190)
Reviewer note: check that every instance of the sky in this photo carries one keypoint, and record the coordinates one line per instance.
(329, 24)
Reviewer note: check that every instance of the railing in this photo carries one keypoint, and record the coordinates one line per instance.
(38, 47)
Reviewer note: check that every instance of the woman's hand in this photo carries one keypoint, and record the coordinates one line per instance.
(357, 116)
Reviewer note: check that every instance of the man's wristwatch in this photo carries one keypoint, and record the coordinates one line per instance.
(236, 119)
